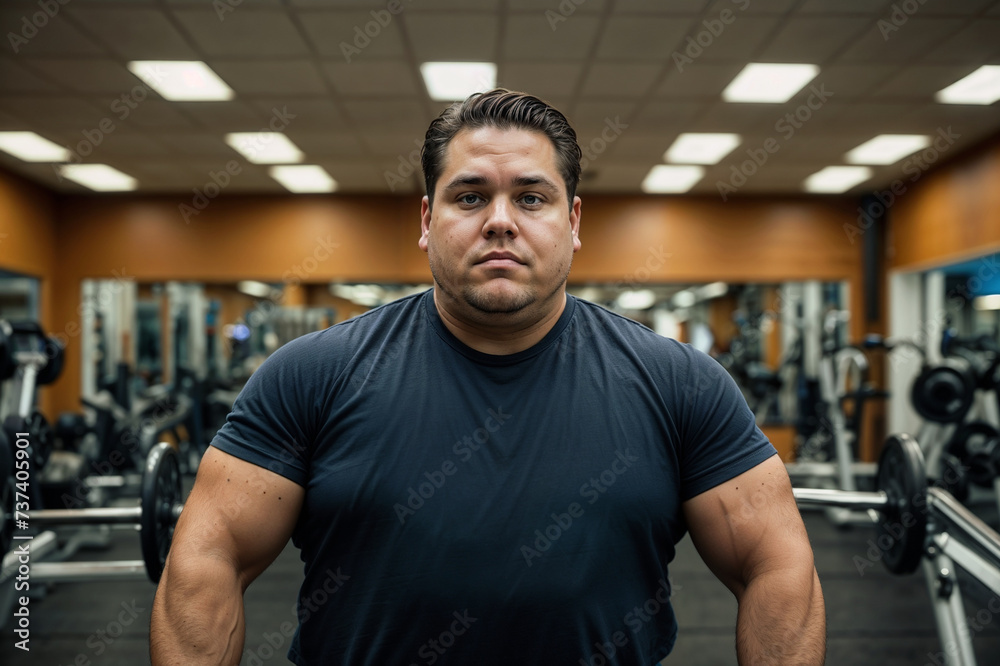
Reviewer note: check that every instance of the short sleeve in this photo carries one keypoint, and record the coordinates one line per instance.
(271, 421)
(719, 436)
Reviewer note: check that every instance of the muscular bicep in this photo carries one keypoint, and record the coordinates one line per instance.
(749, 524)
(239, 512)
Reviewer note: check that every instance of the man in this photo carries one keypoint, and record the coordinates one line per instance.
(490, 472)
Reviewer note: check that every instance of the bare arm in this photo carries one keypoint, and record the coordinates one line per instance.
(236, 521)
(750, 533)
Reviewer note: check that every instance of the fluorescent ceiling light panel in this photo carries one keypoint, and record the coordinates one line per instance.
(980, 87)
(453, 81)
(99, 177)
(303, 178)
(761, 82)
(989, 302)
(640, 299)
(182, 80)
(701, 148)
(671, 178)
(836, 179)
(887, 148)
(264, 147)
(254, 288)
(31, 147)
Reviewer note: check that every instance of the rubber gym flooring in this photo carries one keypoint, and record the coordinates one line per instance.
(874, 619)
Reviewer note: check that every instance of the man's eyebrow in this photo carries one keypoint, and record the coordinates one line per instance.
(464, 180)
(531, 181)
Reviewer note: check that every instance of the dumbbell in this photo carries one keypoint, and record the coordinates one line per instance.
(155, 518)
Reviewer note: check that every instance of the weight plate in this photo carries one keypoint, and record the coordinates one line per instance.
(901, 529)
(943, 393)
(56, 356)
(953, 477)
(161, 491)
(974, 444)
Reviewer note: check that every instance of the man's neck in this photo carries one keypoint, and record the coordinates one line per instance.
(506, 335)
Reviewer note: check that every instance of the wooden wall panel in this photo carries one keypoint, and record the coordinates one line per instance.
(949, 215)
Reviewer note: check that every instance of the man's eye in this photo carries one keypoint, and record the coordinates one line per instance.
(531, 199)
(470, 199)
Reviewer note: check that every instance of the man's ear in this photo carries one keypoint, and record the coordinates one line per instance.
(574, 222)
(425, 222)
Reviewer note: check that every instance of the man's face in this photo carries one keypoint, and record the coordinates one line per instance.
(501, 235)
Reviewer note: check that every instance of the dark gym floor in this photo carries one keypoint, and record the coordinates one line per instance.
(875, 619)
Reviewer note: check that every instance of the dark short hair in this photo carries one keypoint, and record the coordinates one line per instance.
(505, 110)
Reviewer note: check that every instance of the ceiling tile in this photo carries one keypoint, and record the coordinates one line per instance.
(637, 37)
(528, 36)
(54, 112)
(386, 114)
(326, 143)
(751, 6)
(626, 79)
(611, 175)
(699, 80)
(135, 33)
(372, 77)
(916, 37)
(541, 79)
(919, 82)
(17, 79)
(668, 116)
(57, 36)
(95, 76)
(851, 81)
(740, 40)
(197, 144)
(466, 37)
(657, 6)
(568, 10)
(843, 6)
(300, 114)
(977, 42)
(812, 39)
(273, 77)
(243, 33)
(342, 34)
(590, 117)
(232, 116)
(643, 145)
(392, 144)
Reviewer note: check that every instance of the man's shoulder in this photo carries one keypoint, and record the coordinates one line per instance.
(630, 332)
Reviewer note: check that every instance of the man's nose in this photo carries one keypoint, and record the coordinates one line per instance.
(500, 219)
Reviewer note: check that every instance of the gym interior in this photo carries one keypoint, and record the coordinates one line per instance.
(806, 190)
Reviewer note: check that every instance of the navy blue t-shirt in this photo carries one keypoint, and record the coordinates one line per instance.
(468, 508)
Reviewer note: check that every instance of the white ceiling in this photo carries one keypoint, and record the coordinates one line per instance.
(609, 59)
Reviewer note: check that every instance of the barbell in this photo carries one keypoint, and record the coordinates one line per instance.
(900, 501)
(160, 498)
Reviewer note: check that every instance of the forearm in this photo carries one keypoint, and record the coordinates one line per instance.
(781, 621)
(197, 617)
